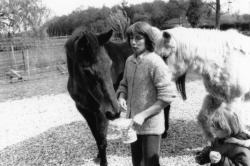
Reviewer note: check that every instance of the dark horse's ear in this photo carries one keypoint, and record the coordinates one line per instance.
(104, 37)
(166, 37)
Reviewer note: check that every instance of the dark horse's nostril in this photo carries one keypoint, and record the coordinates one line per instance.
(112, 116)
(118, 114)
(109, 115)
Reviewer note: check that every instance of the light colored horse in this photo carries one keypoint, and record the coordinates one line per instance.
(222, 58)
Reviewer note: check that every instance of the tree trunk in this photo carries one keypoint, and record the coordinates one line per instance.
(217, 17)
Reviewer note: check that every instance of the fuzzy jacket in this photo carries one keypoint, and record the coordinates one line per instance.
(147, 79)
(231, 154)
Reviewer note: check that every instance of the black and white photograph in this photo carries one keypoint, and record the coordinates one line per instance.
(124, 82)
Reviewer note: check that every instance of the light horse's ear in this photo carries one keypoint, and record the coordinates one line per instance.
(104, 37)
(166, 37)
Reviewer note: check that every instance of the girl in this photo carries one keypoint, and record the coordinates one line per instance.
(225, 125)
(144, 92)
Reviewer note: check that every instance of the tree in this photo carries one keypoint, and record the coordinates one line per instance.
(216, 6)
(6, 16)
(22, 15)
(129, 11)
(194, 12)
(119, 21)
(177, 8)
(157, 11)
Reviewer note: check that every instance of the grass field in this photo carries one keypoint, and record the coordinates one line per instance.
(66, 140)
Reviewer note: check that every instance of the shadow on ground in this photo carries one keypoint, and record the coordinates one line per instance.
(73, 144)
(184, 137)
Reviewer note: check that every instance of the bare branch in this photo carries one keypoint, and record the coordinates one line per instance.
(23, 15)
(119, 21)
(211, 5)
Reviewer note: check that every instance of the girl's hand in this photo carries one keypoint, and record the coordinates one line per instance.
(215, 157)
(138, 120)
(123, 104)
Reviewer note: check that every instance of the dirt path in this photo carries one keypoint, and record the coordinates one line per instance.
(30, 116)
(25, 118)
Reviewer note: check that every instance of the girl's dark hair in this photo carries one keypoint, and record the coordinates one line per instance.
(226, 120)
(144, 29)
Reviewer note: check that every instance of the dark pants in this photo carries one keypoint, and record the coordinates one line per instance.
(146, 150)
(166, 115)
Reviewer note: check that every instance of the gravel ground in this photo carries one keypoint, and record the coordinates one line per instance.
(48, 130)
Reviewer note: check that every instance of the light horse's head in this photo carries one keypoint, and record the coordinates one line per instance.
(169, 49)
(90, 82)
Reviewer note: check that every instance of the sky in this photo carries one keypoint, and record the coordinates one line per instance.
(65, 7)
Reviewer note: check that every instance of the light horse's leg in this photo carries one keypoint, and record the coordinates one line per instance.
(210, 104)
(98, 125)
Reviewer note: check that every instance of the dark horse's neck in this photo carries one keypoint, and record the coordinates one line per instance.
(118, 52)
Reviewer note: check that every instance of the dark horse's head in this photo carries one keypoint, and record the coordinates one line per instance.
(90, 83)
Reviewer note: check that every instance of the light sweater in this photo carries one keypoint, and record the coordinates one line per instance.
(147, 79)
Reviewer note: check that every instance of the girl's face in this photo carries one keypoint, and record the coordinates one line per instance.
(219, 133)
(137, 43)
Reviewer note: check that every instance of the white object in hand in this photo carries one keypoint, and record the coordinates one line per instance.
(214, 156)
(129, 136)
(126, 127)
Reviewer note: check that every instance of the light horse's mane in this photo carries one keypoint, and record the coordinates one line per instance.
(223, 57)
(203, 47)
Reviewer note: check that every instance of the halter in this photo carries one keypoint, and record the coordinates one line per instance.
(93, 96)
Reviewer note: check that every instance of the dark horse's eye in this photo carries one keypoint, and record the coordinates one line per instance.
(82, 49)
(88, 72)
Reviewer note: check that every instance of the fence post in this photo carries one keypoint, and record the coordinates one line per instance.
(27, 63)
(13, 56)
(24, 62)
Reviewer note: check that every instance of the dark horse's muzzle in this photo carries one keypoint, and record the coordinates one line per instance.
(111, 116)
(111, 110)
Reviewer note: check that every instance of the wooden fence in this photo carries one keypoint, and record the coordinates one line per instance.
(24, 59)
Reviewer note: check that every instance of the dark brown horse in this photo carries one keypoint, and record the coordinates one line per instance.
(94, 64)
(95, 67)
